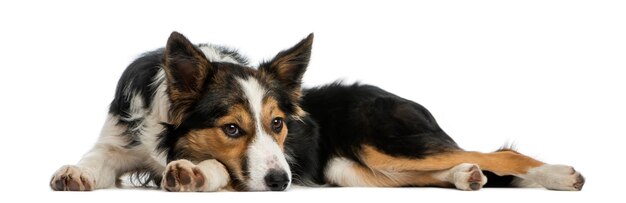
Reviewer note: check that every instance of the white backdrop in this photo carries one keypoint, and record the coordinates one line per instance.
(547, 75)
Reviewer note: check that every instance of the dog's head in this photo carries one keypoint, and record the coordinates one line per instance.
(235, 114)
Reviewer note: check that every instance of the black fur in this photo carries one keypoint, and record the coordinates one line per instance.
(302, 145)
(497, 181)
(344, 117)
(137, 79)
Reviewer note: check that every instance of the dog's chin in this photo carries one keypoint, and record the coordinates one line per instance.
(252, 186)
(263, 189)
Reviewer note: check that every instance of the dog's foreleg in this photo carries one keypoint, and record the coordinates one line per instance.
(102, 165)
(183, 176)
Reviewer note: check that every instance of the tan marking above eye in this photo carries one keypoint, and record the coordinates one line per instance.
(240, 116)
(268, 113)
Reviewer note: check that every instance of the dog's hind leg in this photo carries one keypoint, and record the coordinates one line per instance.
(464, 176)
(501, 163)
(103, 164)
(347, 173)
(458, 169)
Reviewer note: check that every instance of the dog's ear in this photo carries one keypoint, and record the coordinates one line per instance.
(186, 69)
(289, 65)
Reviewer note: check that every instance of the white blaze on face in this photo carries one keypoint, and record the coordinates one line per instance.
(264, 153)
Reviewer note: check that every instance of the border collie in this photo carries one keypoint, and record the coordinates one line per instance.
(199, 118)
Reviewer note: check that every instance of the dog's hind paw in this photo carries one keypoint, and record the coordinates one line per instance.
(183, 176)
(468, 177)
(557, 177)
(72, 178)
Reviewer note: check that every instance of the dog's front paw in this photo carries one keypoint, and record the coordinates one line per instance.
(72, 178)
(557, 177)
(183, 176)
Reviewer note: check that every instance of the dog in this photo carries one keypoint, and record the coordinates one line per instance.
(198, 118)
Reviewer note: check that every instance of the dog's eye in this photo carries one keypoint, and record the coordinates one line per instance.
(232, 130)
(277, 124)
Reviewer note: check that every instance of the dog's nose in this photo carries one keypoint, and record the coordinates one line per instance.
(276, 180)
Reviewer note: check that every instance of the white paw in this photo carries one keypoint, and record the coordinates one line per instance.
(468, 177)
(556, 177)
(183, 176)
(72, 178)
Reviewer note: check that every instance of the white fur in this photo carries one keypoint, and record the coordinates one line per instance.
(215, 55)
(459, 175)
(107, 160)
(161, 102)
(526, 183)
(341, 171)
(158, 114)
(264, 152)
(216, 175)
(553, 176)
